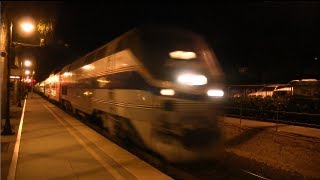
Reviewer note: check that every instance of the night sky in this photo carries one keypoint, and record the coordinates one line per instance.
(266, 42)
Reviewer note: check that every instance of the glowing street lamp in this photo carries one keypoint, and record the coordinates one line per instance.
(27, 27)
(27, 72)
(27, 63)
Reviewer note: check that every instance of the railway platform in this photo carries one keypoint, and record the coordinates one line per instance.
(51, 144)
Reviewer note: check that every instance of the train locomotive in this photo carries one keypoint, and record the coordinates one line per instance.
(157, 86)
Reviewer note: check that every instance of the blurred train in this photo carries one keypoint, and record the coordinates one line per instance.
(156, 86)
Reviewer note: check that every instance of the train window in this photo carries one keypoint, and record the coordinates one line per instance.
(103, 82)
(120, 80)
(127, 80)
(64, 90)
(170, 53)
(84, 83)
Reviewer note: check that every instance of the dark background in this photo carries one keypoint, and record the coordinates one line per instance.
(265, 42)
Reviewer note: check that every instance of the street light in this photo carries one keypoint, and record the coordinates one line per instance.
(27, 63)
(7, 126)
(27, 72)
(27, 27)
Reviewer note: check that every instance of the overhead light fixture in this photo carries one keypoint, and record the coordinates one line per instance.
(182, 55)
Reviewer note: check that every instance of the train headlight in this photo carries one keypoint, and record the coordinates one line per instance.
(215, 92)
(167, 92)
(192, 79)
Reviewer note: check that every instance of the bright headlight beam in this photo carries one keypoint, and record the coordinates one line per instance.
(215, 93)
(192, 79)
(167, 92)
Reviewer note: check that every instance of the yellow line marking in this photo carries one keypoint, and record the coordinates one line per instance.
(14, 160)
(109, 168)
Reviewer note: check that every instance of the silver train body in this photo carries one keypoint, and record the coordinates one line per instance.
(154, 86)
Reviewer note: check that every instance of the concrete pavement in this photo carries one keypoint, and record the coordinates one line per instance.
(8, 141)
(54, 145)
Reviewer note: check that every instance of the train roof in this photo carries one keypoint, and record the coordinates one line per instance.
(116, 45)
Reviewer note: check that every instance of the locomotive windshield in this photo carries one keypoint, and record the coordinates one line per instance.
(172, 52)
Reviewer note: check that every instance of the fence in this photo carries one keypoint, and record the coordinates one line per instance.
(293, 118)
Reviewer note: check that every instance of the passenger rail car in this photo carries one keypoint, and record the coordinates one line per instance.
(154, 86)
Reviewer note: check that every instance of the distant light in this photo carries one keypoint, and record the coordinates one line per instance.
(66, 74)
(215, 93)
(41, 41)
(103, 81)
(167, 92)
(182, 55)
(27, 63)
(14, 77)
(27, 27)
(87, 93)
(27, 72)
(309, 80)
(88, 67)
(192, 79)
(284, 89)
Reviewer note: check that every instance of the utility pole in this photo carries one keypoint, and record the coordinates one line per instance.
(7, 125)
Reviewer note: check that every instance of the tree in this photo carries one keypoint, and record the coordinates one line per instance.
(46, 28)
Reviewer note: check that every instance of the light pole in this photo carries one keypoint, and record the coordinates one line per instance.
(27, 27)
(7, 126)
(32, 81)
(20, 86)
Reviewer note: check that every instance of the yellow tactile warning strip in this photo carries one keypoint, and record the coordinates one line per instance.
(14, 161)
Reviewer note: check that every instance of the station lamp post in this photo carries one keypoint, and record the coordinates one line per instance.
(32, 83)
(26, 27)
